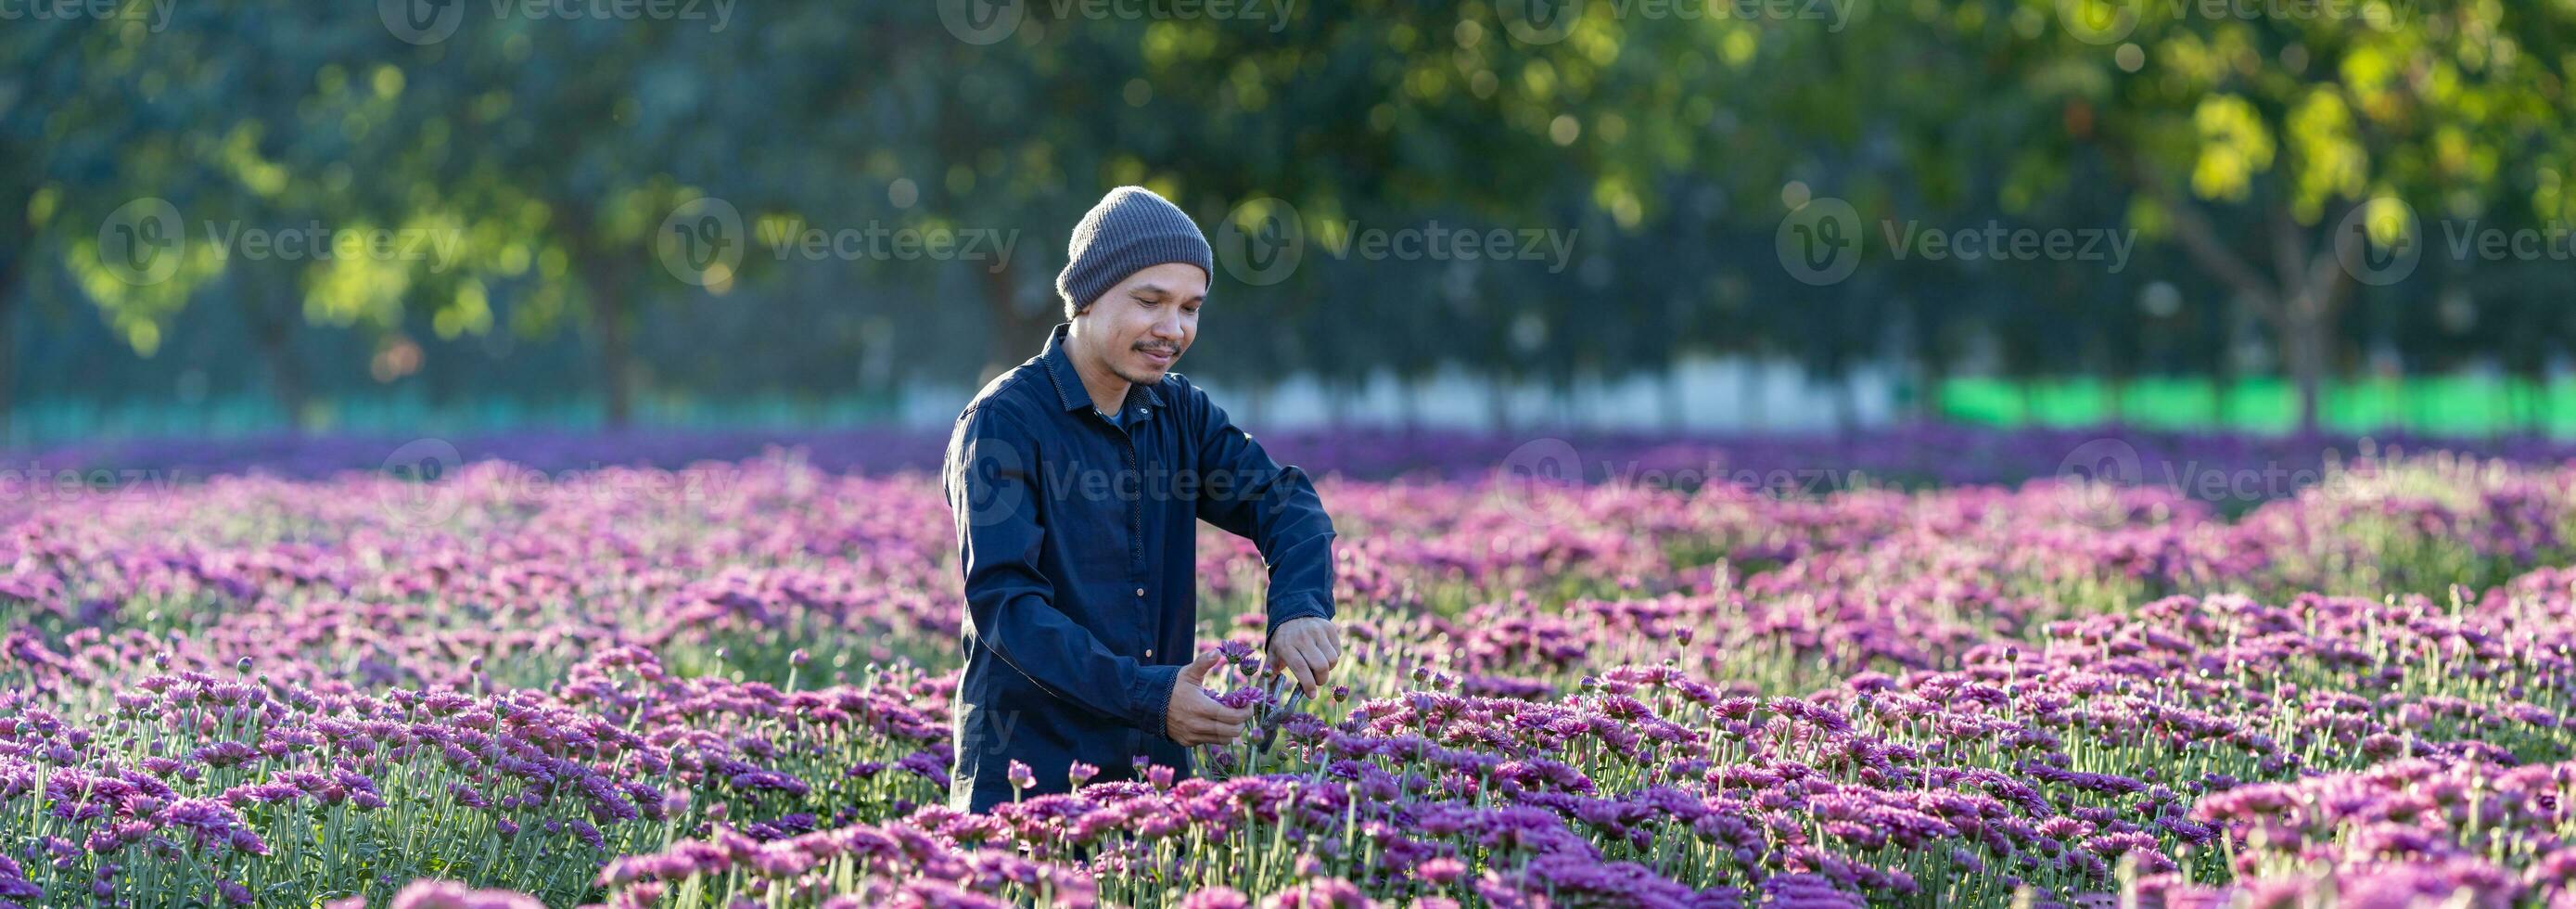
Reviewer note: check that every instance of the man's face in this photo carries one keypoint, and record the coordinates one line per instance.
(1140, 327)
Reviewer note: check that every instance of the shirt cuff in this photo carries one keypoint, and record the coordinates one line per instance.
(1153, 697)
(1301, 606)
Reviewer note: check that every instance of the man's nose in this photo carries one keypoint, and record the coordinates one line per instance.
(1168, 327)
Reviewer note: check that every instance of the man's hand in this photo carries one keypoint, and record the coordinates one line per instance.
(1307, 648)
(1194, 718)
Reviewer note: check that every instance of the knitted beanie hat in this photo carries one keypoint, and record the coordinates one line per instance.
(1131, 230)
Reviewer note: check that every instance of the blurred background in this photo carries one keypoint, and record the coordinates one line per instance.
(234, 218)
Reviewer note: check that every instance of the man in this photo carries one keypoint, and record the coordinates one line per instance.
(1077, 480)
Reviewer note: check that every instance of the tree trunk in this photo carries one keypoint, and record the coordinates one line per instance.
(1931, 372)
(2303, 351)
(274, 332)
(611, 315)
(2310, 297)
(8, 345)
(2222, 365)
(1016, 333)
(2531, 402)
(2300, 298)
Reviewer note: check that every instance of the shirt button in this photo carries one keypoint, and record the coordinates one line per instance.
(1140, 591)
(1149, 653)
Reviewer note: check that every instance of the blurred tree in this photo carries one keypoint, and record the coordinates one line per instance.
(2268, 146)
(78, 127)
(261, 150)
(583, 138)
(573, 157)
(1388, 117)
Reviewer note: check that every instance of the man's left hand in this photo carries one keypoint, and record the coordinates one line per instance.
(1307, 648)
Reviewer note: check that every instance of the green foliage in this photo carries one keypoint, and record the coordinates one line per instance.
(551, 154)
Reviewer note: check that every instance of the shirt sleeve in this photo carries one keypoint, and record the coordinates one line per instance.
(1247, 494)
(1010, 604)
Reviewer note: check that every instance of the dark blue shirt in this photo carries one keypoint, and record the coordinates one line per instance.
(1078, 539)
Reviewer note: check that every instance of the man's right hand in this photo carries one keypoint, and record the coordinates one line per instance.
(1194, 718)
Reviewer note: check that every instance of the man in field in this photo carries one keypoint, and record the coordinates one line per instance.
(1077, 480)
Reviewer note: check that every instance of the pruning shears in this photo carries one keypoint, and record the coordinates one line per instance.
(1278, 706)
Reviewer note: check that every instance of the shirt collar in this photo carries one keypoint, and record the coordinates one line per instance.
(1068, 382)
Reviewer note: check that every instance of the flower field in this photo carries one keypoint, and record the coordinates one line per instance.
(727, 685)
